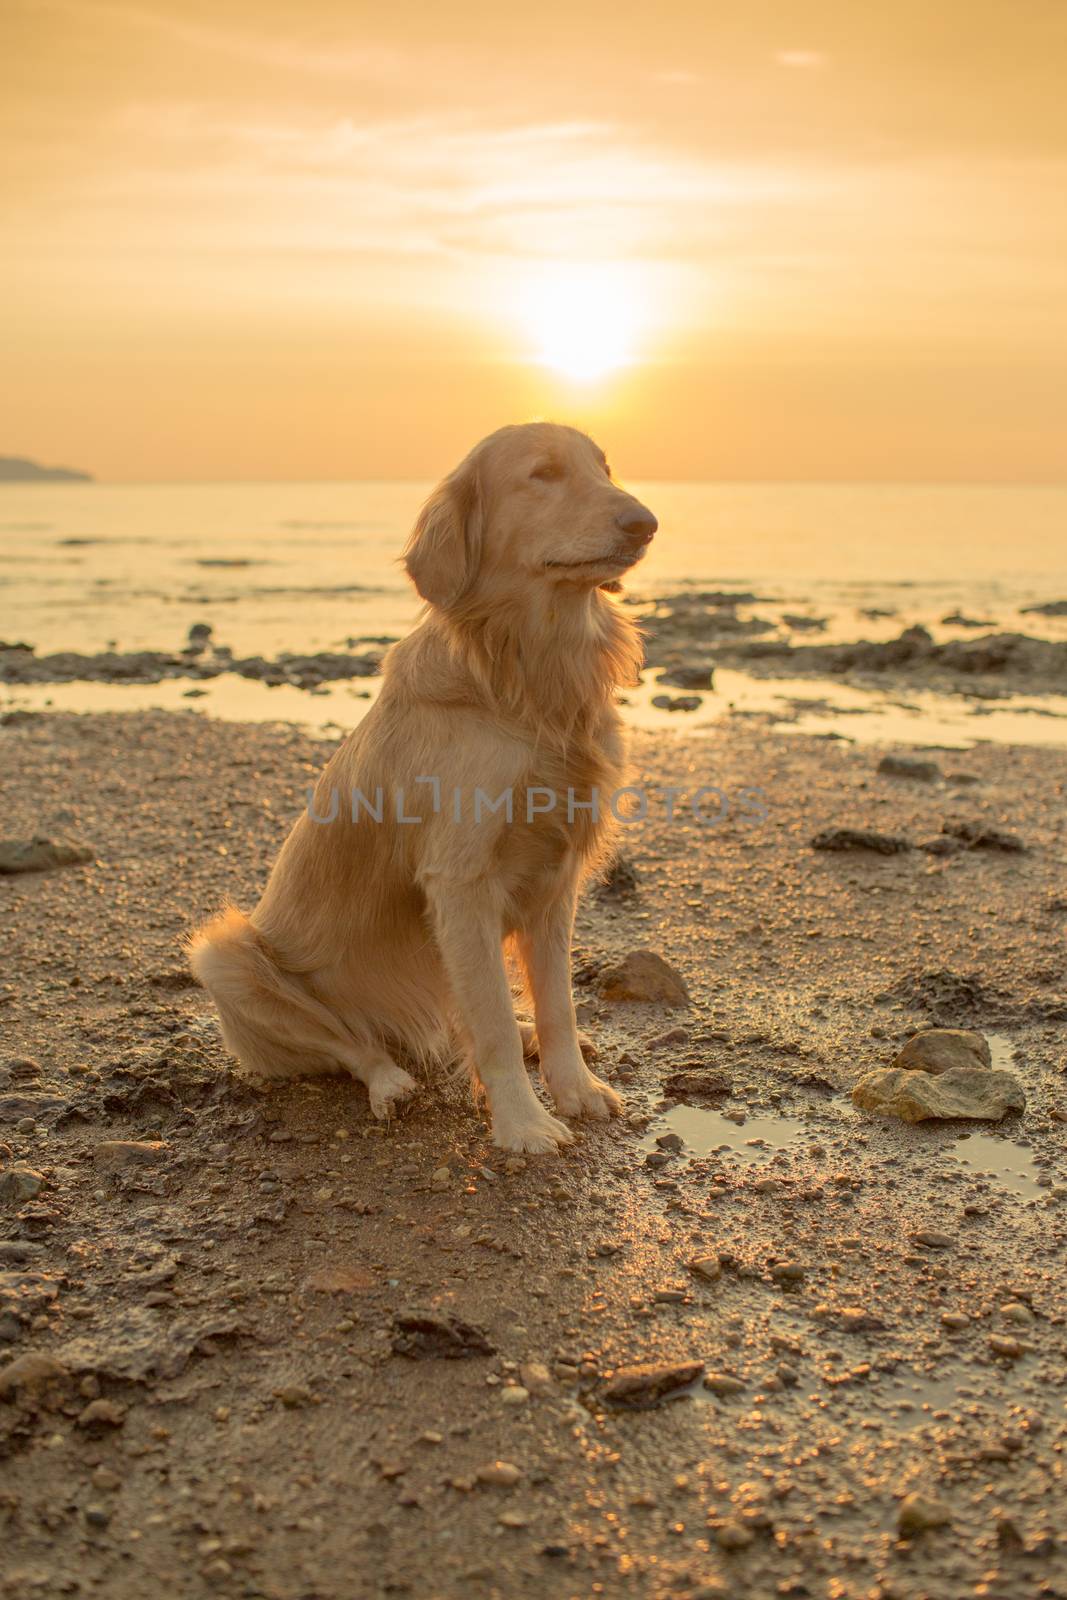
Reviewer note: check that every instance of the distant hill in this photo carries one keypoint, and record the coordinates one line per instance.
(16, 469)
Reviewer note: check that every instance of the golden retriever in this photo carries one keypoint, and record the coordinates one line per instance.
(383, 925)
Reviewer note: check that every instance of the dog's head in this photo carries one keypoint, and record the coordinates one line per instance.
(534, 502)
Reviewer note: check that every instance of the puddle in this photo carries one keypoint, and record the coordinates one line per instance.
(705, 1131)
(1007, 1164)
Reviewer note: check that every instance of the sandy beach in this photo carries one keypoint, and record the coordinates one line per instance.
(237, 1394)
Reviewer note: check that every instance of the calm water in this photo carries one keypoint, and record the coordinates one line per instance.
(306, 566)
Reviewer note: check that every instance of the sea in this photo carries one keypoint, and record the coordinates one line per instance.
(301, 567)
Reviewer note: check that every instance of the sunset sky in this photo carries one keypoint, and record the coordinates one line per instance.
(736, 238)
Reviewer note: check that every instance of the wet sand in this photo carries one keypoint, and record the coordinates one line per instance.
(230, 1413)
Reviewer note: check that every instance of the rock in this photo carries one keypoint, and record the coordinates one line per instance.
(707, 1267)
(677, 702)
(695, 677)
(513, 1394)
(650, 1382)
(883, 844)
(31, 1375)
(908, 767)
(955, 1321)
(1019, 1313)
(419, 1334)
(705, 1084)
(730, 1534)
(130, 1152)
(933, 1239)
(19, 1184)
(41, 854)
(339, 1280)
(941, 1049)
(102, 1414)
(1009, 1349)
(670, 1141)
(976, 836)
(961, 1093)
(723, 1384)
(293, 1396)
(644, 977)
(13, 1107)
(135, 1344)
(536, 1377)
(789, 1271)
(918, 1513)
(499, 1474)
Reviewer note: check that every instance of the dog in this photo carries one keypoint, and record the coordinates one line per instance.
(382, 932)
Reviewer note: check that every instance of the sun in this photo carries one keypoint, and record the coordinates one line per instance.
(584, 321)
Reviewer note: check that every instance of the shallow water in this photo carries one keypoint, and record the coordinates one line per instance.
(705, 1130)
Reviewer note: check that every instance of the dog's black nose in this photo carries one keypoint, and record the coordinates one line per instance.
(637, 523)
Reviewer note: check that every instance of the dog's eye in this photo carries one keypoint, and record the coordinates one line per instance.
(547, 472)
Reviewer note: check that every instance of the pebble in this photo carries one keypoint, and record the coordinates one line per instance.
(536, 1378)
(513, 1519)
(933, 1239)
(955, 1320)
(499, 1474)
(722, 1384)
(102, 1413)
(1009, 1348)
(19, 1184)
(707, 1267)
(918, 1513)
(29, 1374)
(649, 1382)
(941, 1049)
(645, 977)
(732, 1535)
(514, 1395)
(1015, 1311)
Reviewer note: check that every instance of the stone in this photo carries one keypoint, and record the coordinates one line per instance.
(18, 1184)
(702, 1084)
(41, 854)
(723, 1384)
(499, 1474)
(676, 702)
(882, 844)
(426, 1333)
(732, 1535)
(707, 1267)
(649, 1382)
(536, 1377)
(31, 1374)
(102, 1414)
(892, 766)
(14, 1107)
(644, 977)
(513, 1394)
(962, 1093)
(919, 1513)
(941, 1049)
(933, 1239)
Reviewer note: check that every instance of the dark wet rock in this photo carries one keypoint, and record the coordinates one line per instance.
(677, 702)
(421, 1334)
(698, 1083)
(883, 844)
(620, 880)
(803, 624)
(649, 1382)
(1051, 608)
(893, 766)
(977, 836)
(942, 845)
(644, 977)
(942, 1049)
(956, 619)
(22, 665)
(688, 677)
(41, 854)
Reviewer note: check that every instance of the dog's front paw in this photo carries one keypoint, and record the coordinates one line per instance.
(389, 1089)
(535, 1133)
(585, 1095)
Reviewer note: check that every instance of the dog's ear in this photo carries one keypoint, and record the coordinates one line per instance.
(445, 548)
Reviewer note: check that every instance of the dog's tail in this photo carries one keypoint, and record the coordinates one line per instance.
(270, 1019)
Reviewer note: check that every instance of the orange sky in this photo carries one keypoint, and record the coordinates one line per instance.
(779, 238)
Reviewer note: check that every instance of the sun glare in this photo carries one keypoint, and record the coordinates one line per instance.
(584, 320)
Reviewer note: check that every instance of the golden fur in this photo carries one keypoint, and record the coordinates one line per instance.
(378, 938)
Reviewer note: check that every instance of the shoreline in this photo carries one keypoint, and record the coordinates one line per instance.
(227, 1294)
